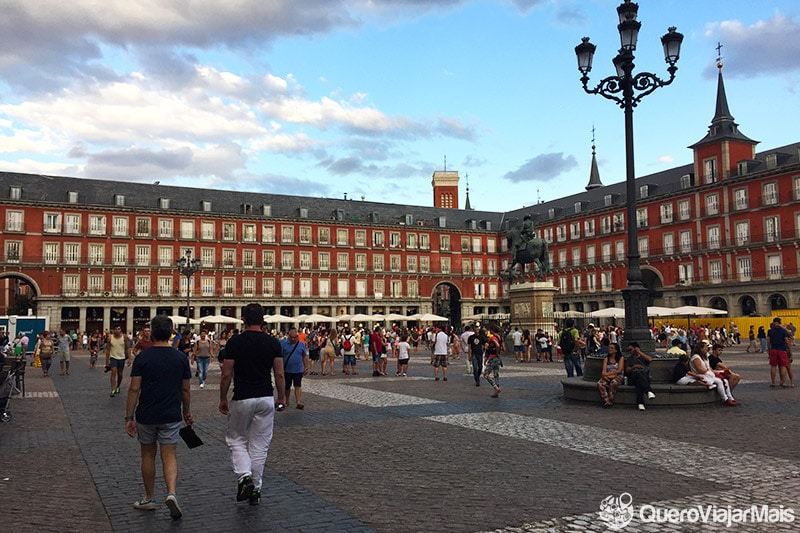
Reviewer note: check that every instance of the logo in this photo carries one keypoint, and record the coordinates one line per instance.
(617, 511)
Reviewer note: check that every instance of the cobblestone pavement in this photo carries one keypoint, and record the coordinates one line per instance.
(410, 454)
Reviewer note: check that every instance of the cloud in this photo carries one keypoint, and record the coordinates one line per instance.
(544, 167)
(766, 47)
(525, 6)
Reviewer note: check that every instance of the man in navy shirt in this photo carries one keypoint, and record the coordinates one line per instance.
(159, 393)
(295, 364)
(778, 345)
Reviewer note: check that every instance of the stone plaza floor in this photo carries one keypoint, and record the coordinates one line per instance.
(395, 454)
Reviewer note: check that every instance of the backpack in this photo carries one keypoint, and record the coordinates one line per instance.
(348, 344)
(567, 342)
(313, 341)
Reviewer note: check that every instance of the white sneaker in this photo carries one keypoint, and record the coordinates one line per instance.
(202, 385)
(641, 407)
(650, 395)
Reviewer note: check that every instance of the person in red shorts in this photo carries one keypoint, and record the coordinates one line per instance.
(778, 346)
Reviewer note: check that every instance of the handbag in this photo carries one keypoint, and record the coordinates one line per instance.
(189, 436)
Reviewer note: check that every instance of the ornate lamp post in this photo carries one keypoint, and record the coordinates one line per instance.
(627, 90)
(188, 266)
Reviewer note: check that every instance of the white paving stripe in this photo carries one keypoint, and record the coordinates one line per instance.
(362, 396)
(28, 395)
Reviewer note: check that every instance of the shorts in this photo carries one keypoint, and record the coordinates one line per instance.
(117, 363)
(519, 348)
(349, 360)
(778, 358)
(164, 433)
(293, 378)
(402, 362)
(376, 358)
(313, 355)
(440, 360)
(384, 356)
(63, 356)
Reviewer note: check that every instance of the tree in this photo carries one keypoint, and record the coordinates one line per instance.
(21, 304)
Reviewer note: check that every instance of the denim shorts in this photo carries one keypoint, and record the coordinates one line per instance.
(116, 363)
(349, 360)
(164, 433)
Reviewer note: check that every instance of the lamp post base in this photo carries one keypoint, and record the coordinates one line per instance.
(636, 328)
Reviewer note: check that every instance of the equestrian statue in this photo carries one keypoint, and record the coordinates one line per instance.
(526, 247)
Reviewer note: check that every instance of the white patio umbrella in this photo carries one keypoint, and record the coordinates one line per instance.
(274, 319)
(361, 317)
(220, 319)
(430, 317)
(179, 321)
(655, 310)
(317, 317)
(377, 317)
(392, 317)
(698, 310)
(608, 312)
(301, 318)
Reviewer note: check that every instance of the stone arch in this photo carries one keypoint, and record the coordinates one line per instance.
(24, 277)
(718, 302)
(777, 301)
(446, 298)
(748, 305)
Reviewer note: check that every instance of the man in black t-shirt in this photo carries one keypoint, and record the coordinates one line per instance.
(250, 357)
(476, 343)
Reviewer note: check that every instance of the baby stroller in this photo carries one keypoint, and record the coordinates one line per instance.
(7, 388)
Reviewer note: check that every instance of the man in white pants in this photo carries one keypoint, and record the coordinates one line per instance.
(249, 359)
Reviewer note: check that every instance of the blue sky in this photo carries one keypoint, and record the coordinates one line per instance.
(367, 97)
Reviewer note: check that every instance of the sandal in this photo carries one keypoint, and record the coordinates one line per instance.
(300, 406)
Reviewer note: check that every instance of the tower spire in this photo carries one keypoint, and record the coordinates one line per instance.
(594, 173)
(467, 206)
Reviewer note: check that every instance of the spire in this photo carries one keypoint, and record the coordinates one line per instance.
(467, 206)
(594, 174)
(722, 125)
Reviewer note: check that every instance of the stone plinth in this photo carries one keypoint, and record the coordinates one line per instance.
(532, 306)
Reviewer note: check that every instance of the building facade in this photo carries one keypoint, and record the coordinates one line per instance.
(721, 232)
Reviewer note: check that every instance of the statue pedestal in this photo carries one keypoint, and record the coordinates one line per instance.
(532, 306)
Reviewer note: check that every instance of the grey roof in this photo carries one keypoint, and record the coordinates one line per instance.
(722, 125)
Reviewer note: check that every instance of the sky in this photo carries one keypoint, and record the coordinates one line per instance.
(367, 98)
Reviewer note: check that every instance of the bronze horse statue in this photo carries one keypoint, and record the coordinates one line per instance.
(533, 251)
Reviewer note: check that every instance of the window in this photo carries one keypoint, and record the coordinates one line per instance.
(606, 283)
(796, 187)
(413, 288)
(142, 285)
(479, 291)
(341, 237)
(394, 263)
(562, 258)
(576, 257)
(684, 209)
(742, 233)
(493, 291)
(769, 194)
(377, 262)
(772, 229)
(207, 285)
(644, 247)
(165, 258)
(305, 288)
(287, 234)
(378, 288)
(187, 229)
(686, 241)
(396, 286)
(164, 286)
(491, 245)
(465, 266)
(268, 287)
(97, 255)
(342, 287)
(740, 199)
(619, 222)
(70, 284)
(477, 267)
(15, 221)
(643, 191)
(248, 233)
(207, 231)
(50, 253)
(591, 282)
(641, 217)
(774, 266)
(95, 285)
(15, 193)
(72, 253)
(229, 258)
(248, 258)
(361, 262)
(377, 239)
(119, 285)
(52, 223)
(229, 287)
(267, 233)
(142, 227)
(588, 227)
(562, 285)
(715, 271)
(163, 203)
(268, 259)
(287, 260)
(605, 251)
(561, 233)
(590, 254)
(576, 283)
(305, 235)
(709, 171)
(491, 267)
(425, 239)
(411, 240)
(205, 205)
(165, 228)
(444, 243)
(324, 261)
(119, 254)
(287, 287)
(744, 269)
(712, 204)
(394, 239)
(605, 225)
(324, 288)
(97, 225)
(476, 245)
(666, 213)
(207, 257)
(686, 273)
(713, 237)
(361, 237)
(619, 250)
(142, 255)
(445, 265)
(305, 260)
(228, 231)
(342, 261)
(575, 230)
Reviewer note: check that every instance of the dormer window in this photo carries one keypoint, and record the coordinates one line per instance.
(119, 200)
(247, 209)
(686, 181)
(266, 210)
(772, 160)
(72, 197)
(643, 190)
(302, 212)
(608, 200)
(409, 220)
(205, 205)
(15, 193)
(442, 221)
(163, 203)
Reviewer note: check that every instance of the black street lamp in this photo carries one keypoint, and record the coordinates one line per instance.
(627, 90)
(188, 266)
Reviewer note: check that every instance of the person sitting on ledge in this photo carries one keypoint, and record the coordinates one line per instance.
(612, 376)
(637, 368)
(682, 374)
(676, 348)
(699, 365)
(721, 370)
